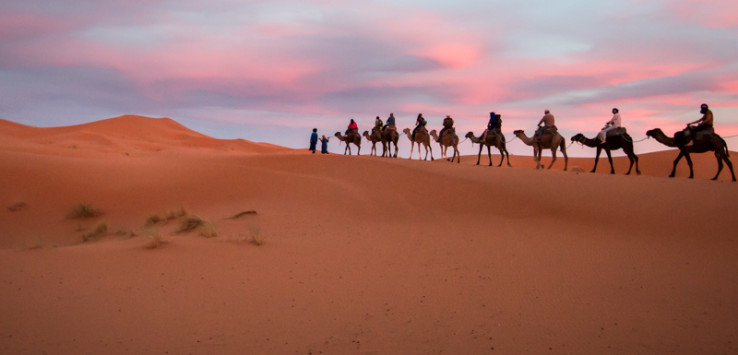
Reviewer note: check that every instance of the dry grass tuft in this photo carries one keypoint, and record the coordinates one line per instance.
(153, 239)
(175, 214)
(244, 213)
(152, 220)
(255, 238)
(207, 230)
(84, 210)
(100, 231)
(18, 206)
(34, 244)
(190, 224)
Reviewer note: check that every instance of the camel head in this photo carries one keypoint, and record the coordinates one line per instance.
(655, 132)
(470, 135)
(578, 138)
(519, 132)
(406, 131)
(338, 134)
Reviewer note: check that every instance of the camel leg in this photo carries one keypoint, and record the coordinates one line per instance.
(479, 155)
(609, 158)
(689, 162)
(553, 158)
(566, 158)
(597, 159)
(502, 156)
(676, 161)
(729, 163)
(635, 157)
(412, 146)
(720, 165)
(457, 155)
(489, 155)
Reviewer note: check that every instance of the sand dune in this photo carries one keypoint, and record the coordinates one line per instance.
(360, 254)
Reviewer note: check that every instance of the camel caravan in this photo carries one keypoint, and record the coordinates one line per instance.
(698, 137)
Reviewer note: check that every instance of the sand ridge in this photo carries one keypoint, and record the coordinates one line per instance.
(359, 254)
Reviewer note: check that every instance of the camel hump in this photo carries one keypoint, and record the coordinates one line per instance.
(621, 131)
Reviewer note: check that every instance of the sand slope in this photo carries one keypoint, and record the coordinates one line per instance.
(360, 254)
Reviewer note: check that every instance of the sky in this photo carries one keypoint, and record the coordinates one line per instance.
(270, 71)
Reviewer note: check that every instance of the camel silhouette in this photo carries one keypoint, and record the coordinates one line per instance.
(374, 138)
(354, 138)
(703, 142)
(389, 137)
(615, 142)
(548, 141)
(493, 140)
(449, 139)
(421, 137)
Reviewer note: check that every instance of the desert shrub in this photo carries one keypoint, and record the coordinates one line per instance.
(174, 214)
(152, 220)
(207, 230)
(84, 210)
(153, 239)
(100, 231)
(255, 238)
(190, 224)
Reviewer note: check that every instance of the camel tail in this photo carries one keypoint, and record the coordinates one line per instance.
(725, 145)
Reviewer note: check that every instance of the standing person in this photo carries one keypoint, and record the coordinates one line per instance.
(313, 140)
(546, 122)
(324, 145)
(614, 123)
(419, 122)
(494, 125)
(390, 122)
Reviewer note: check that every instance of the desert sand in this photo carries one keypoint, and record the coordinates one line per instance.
(330, 254)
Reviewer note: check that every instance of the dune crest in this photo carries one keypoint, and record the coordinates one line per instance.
(123, 134)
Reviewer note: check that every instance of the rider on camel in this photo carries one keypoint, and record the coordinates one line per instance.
(390, 123)
(448, 124)
(547, 123)
(494, 125)
(703, 124)
(614, 123)
(419, 122)
(352, 128)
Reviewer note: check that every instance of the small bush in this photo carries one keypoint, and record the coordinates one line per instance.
(152, 220)
(99, 232)
(256, 238)
(153, 239)
(174, 214)
(244, 213)
(84, 211)
(207, 230)
(190, 224)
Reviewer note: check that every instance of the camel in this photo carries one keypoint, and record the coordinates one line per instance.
(389, 136)
(702, 143)
(548, 141)
(375, 137)
(449, 139)
(354, 138)
(421, 137)
(615, 142)
(493, 140)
